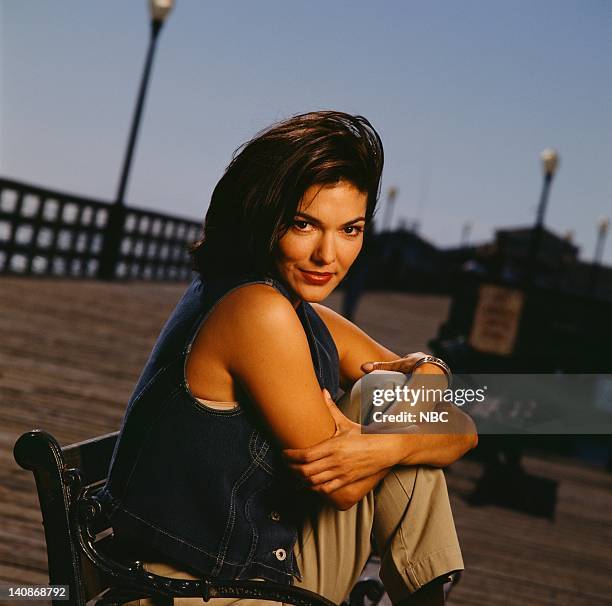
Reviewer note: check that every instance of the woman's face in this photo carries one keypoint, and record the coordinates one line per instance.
(326, 236)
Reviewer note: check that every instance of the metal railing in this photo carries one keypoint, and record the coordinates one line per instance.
(46, 232)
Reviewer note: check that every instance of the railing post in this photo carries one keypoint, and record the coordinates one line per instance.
(113, 235)
(15, 222)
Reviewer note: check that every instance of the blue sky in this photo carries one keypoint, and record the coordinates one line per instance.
(464, 94)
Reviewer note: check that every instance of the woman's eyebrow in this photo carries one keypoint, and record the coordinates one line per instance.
(356, 220)
(317, 222)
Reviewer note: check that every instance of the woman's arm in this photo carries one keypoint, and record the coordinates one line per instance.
(355, 461)
(360, 354)
(355, 347)
(255, 335)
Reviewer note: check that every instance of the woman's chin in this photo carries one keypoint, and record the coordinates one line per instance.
(316, 294)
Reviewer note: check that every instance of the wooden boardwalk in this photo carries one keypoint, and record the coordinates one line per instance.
(71, 352)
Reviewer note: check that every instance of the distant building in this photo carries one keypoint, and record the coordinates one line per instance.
(555, 256)
(588, 279)
(404, 260)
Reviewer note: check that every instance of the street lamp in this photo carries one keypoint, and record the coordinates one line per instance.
(391, 196)
(550, 163)
(159, 11)
(602, 230)
(466, 230)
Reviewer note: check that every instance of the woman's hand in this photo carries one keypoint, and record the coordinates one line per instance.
(405, 364)
(424, 443)
(343, 459)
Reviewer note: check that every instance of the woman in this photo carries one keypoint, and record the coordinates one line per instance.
(237, 398)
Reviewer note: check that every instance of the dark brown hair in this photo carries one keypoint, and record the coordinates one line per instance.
(257, 198)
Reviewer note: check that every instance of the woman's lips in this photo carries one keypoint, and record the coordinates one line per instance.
(316, 277)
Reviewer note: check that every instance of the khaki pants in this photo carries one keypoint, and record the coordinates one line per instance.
(408, 515)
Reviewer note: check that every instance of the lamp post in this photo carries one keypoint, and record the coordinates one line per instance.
(550, 162)
(602, 230)
(465, 233)
(391, 196)
(158, 10)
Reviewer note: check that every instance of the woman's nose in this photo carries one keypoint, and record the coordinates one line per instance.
(325, 252)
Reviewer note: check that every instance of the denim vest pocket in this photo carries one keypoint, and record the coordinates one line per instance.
(262, 454)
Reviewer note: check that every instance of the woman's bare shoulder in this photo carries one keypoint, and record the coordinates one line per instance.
(255, 305)
(250, 317)
(245, 325)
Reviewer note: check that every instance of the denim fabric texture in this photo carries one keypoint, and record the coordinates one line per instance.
(202, 486)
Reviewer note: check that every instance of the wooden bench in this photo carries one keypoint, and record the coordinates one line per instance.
(80, 549)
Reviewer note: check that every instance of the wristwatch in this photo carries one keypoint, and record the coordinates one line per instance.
(436, 362)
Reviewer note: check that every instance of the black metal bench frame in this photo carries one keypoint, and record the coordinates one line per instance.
(80, 549)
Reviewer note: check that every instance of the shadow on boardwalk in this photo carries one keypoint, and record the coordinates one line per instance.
(71, 352)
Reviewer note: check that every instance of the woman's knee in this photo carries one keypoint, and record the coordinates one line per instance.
(426, 478)
(374, 391)
(405, 482)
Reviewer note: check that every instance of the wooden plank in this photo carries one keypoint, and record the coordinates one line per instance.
(22, 575)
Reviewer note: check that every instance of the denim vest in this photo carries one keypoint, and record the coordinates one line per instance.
(207, 487)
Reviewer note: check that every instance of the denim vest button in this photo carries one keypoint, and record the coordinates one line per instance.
(280, 554)
(275, 516)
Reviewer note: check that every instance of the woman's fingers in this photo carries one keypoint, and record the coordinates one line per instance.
(308, 470)
(318, 472)
(404, 364)
(310, 454)
(370, 366)
(323, 478)
(342, 422)
(329, 487)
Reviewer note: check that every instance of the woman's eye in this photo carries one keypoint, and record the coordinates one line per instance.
(352, 230)
(301, 225)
